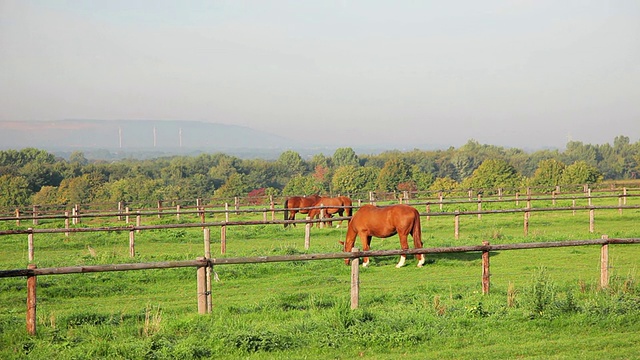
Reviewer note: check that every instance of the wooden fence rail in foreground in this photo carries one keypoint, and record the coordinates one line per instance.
(204, 264)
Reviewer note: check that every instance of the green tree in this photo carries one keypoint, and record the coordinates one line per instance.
(577, 151)
(344, 157)
(581, 173)
(548, 174)
(444, 184)
(39, 175)
(235, 186)
(394, 172)
(292, 163)
(421, 179)
(491, 175)
(81, 189)
(48, 195)
(303, 185)
(352, 179)
(14, 191)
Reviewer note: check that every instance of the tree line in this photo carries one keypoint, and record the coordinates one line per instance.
(34, 176)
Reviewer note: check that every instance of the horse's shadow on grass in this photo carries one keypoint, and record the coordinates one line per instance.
(435, 257)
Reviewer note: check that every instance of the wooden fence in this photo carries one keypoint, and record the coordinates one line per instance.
(199, 206)
(204, 266)
(132, 230)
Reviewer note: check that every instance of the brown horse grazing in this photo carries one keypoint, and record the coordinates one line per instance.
(342, 205)
(293, 204)
(384, 222)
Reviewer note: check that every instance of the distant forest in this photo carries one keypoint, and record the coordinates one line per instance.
(33, 176)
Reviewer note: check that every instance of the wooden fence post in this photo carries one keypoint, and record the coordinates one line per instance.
(119, 210)
(178, 212)
(428, 211)
(591, 220)
(272, 206)
(604, 264)
(226, 212)
(517, 197)
(440, 197)
(526, 223)
(207, 242)
(17, 217)
(202, 288)
(223, 239)
(456, 223)
(159, 209)
(77, 217)
(236, 204)
(355, 281)
(31, 301)
(207, 255)
(307, 234)
(66, 223)
(132, 243)
(322, 214)
(138, 220)
(35, 214)
(126, 215)
(573, 205)
(619, 206)
(479, 206)
(486, 274)
(30, 244)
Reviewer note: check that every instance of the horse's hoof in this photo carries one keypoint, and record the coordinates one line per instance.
(420, 265)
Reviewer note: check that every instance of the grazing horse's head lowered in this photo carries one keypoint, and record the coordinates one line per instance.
(332, 205)
(383, 222)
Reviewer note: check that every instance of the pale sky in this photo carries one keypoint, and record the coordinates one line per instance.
(526, 74)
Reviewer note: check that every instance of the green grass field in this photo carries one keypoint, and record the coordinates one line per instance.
(544, 303)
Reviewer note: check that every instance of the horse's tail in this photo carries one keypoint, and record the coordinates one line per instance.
(416, 232)
(286, 211)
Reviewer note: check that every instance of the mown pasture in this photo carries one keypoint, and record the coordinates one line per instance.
(544, 303)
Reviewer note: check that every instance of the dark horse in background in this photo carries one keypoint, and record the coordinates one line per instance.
(340, 205)
(383, 222)
(293, 204)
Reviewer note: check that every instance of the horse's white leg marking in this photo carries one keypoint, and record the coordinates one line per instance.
(421, 262)
(401, 262)
(366, 263)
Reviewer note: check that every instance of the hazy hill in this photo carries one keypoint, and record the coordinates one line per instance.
(136, 136)
(143, 139)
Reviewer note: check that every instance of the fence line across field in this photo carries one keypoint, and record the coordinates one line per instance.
(205, 265)
(132, 230)
(75, 216)
(36, 213)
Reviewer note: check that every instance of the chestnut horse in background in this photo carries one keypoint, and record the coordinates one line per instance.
(293, 204)
(383, 222)
(342, 206)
